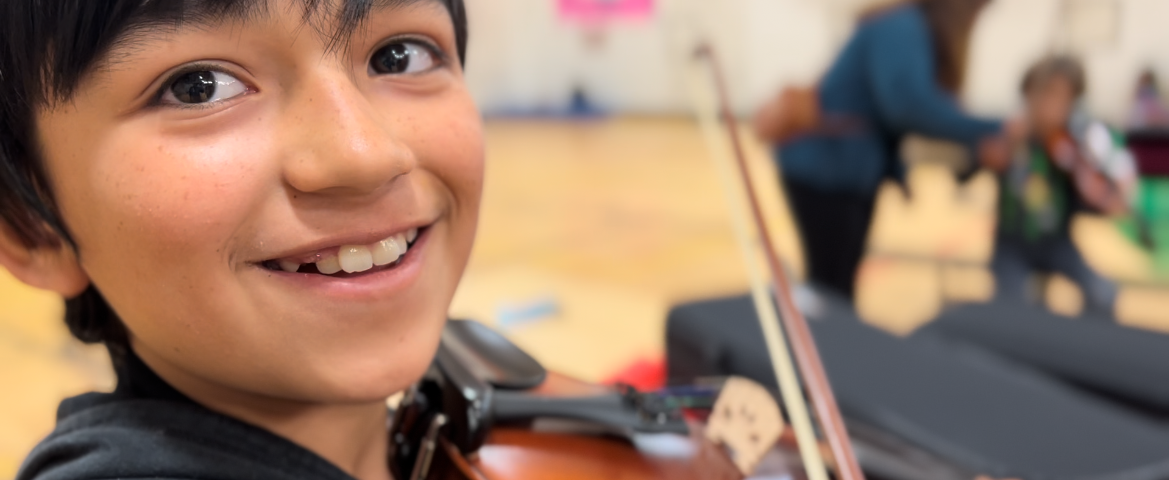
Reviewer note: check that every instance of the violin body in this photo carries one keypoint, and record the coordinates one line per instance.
(1097, 188)
(521, 452)
(518, 453)
(1094, 185)
(486, 411)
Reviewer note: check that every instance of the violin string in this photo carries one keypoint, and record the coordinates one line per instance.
(781, 358)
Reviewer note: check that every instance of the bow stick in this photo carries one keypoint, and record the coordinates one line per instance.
(802, 345)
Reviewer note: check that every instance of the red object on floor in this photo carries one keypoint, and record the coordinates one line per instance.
(644, 374)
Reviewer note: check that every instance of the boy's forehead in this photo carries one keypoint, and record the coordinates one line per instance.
(335, 19)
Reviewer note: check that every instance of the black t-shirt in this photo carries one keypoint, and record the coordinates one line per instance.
(148, 430)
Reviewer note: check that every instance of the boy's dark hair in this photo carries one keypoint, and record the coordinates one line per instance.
(46, 49)
(1057, 66)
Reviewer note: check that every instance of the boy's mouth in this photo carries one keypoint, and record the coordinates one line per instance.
(351, 260)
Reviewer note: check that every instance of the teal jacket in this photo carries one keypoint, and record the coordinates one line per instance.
(886, 80)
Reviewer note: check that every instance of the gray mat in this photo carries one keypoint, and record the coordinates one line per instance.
(961, 402)
(1112, 359)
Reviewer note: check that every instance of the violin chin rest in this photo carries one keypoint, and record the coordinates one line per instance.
(491, 357)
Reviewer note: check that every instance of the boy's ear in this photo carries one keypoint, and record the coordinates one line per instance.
(53, 268)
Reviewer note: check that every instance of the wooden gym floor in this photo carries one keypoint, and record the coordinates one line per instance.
(590, 231)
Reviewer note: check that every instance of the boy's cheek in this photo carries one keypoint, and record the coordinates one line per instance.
(451, 144)
(143, 207)
(180, 194)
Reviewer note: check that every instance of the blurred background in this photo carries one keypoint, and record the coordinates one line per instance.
(601, 208)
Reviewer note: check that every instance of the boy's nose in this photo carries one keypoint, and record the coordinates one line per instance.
(338, 143)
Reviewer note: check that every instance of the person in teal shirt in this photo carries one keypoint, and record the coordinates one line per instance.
(898, 75)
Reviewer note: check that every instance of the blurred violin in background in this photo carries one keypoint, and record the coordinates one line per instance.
(1103, 172)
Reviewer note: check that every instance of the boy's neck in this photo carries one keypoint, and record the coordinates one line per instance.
(352, 437)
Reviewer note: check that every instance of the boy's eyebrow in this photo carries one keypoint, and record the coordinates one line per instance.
(150, 28)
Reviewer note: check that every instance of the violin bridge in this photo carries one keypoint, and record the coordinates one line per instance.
(747, 421)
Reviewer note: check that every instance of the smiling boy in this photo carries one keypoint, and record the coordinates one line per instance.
(262, 207)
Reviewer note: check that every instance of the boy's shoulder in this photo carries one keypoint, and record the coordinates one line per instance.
(106, 436)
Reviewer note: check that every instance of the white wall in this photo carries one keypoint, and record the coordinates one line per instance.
(1013, 33)
(523, 58)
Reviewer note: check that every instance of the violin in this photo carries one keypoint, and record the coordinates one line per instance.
(463, 424)
(1079, 159)
(485, 410)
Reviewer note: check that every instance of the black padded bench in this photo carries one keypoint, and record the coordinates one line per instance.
(975, 409)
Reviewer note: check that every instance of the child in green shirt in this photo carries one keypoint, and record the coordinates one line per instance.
(1069, 164)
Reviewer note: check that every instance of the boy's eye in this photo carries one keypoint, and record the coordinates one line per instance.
(402, 57)
(202, 86)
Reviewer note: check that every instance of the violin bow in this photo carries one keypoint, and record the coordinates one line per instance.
(806, 356)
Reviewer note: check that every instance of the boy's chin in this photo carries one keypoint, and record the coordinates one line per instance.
(368, 381)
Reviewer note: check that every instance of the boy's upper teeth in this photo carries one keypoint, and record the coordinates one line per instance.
(359, 258)
(329, 265)
(355, 258)
(387, 251)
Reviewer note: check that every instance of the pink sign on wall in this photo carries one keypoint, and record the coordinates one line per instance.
(594, 11)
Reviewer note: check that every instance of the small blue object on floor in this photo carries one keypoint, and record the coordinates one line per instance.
(511, 315)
